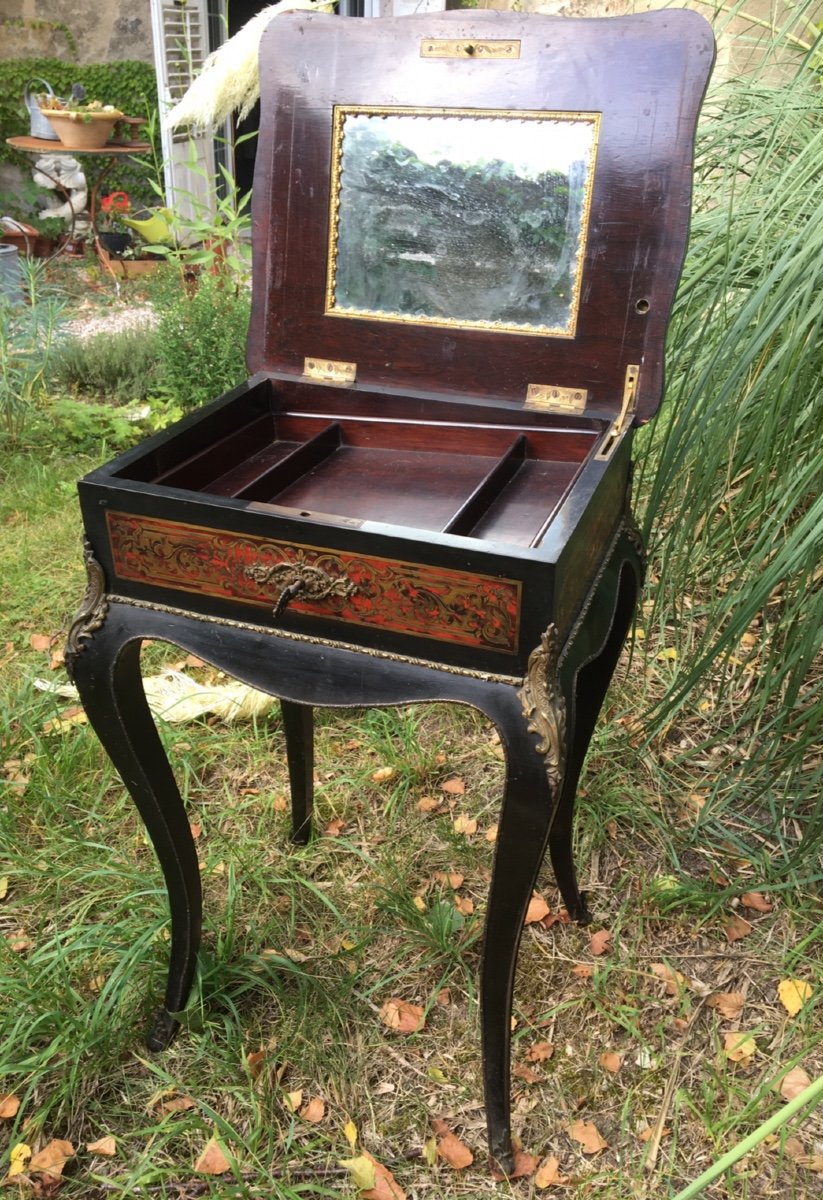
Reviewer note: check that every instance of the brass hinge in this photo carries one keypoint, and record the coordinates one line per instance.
(623, 418)
(450, 48)
(546, 397)
(324, 370)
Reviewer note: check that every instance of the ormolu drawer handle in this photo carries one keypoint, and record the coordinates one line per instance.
(299, 579)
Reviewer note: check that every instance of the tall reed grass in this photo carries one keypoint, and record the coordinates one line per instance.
(730, 474)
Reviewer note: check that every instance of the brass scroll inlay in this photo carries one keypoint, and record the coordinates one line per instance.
(545, 397)
(544, 707)
(325, 370)
(299, 579)
(449, 48)
(92, 612)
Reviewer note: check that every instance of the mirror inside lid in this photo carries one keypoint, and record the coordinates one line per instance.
(482, 206)
(460, 218)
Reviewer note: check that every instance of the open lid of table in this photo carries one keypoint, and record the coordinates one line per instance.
(475, 204)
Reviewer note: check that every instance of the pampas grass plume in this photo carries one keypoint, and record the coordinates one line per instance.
(230, 79)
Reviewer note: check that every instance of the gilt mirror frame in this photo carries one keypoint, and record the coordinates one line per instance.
(343, 212)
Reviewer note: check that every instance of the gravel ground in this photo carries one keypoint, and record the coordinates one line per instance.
(115, 320)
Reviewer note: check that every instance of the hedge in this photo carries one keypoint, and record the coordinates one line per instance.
(131, 86)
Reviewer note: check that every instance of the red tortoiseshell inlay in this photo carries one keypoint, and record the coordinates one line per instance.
(412, 598)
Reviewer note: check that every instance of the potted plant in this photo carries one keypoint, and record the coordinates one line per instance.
(80, 124)
(111, 230)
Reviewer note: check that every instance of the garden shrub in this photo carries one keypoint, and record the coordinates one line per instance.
(67, 424)
(118, 367)
(201, 336)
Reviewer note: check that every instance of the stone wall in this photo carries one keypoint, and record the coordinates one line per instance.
(106, 31)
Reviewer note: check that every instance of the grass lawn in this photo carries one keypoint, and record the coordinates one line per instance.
(669, 1037)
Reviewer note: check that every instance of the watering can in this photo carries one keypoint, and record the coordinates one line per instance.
(154, 227)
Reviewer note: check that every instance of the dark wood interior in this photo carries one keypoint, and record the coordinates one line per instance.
(499, 479)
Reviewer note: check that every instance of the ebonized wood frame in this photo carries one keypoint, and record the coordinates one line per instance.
(545, 723)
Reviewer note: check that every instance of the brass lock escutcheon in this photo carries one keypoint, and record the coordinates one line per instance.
(299, 579)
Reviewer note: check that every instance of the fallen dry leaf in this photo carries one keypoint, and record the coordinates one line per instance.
(491, 833)
(254, 1061)
(196, 829)
(793, 1083)
(646, 1134)
(313, 1111)
(106, 1146)
(757, 901)
(540, 1052)
(558, 918)
(20, 1154)
(9, 1106)
(384, 1187)
(279, 804)
(464, 905)
(548, 1174)
(812, 1162)
(39, 642)
(450, 1148)
(524, 1166)
(739, 1047)
(4, 886)
(177, 1104)
(537, 910)
(350, 1133)
(454, 787)
(737, 928)
(52, 1158)
(728, 1004)
(583, 970)
(334, 828)
(383, 774)
(444, 997)
(427, 804)
(213, 1160)
(419, 903)
(452, 879)
(793, 994)
(588, 1135)
(361, 1169)
(610, 1061)
(293, 1100)
(600, 942)
(674, 981)
(402, 1017)
(525, 1073)
(465, 825)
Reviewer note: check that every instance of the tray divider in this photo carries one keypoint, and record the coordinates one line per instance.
(199, 469)
(489, 488)
(286, 472)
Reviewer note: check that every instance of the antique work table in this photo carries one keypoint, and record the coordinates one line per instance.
(467, 234)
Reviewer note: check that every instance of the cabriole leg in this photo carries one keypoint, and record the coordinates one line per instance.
(298, 727)
(587, 689)
(107, 674)
(534, 767)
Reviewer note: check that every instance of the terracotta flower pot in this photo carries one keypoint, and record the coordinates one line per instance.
(83, 131)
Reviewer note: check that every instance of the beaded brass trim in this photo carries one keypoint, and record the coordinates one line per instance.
(592, 592)
(92, 612)
(544, 707)
(486, 676)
